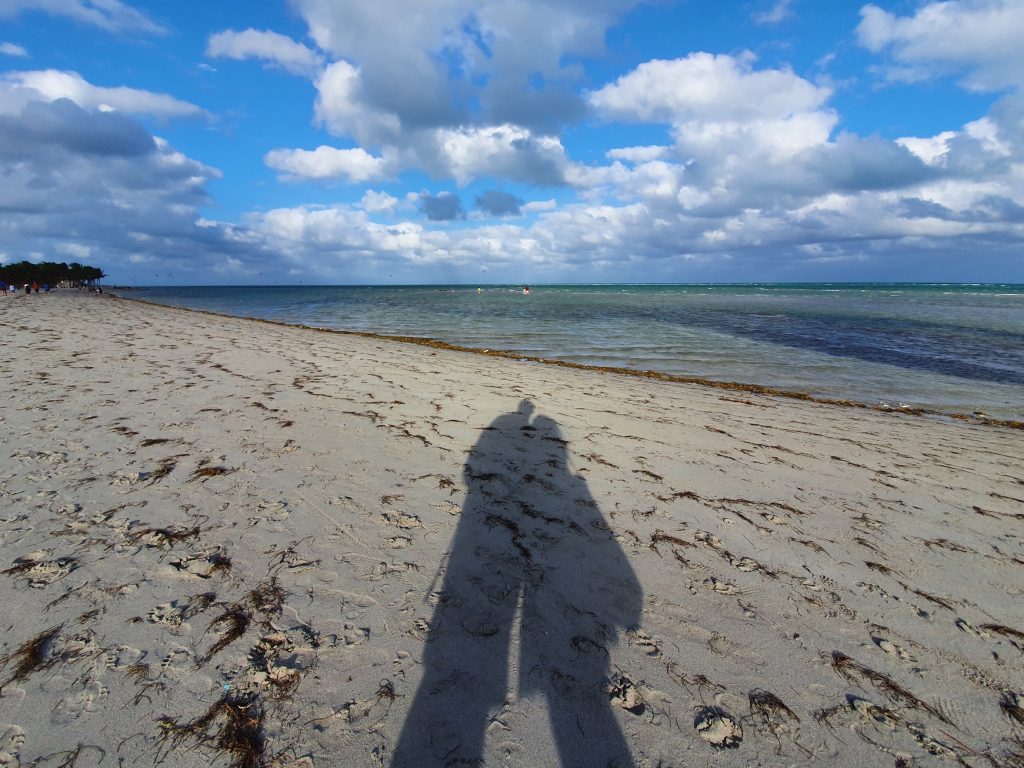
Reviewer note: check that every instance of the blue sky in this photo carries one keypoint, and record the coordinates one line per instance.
(411, 141)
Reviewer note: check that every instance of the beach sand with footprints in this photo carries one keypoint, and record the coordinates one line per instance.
(236, 543)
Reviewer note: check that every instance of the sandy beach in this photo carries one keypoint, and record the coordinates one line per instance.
(231, 542)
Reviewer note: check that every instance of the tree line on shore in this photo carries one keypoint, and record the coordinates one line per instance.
(72, 275)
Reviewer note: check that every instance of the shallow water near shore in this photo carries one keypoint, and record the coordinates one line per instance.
(947, 347)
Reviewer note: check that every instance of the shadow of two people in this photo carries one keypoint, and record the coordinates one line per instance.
(531, 544)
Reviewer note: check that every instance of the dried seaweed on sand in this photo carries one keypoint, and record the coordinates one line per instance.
(232, 727)
(847, 668)
(31, 656)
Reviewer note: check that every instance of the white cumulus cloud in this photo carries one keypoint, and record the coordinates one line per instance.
(503, 151)
(53, 84)
(266, 46)
(341, 108)
(434, 63)
(706, 87)
(378, 202)
(979, 39)
(355, 165)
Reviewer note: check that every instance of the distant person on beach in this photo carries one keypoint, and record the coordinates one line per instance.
(35, 287)
(28, 289)
(4, 286)
(526, 289)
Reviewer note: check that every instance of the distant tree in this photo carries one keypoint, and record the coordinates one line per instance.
(71, 275)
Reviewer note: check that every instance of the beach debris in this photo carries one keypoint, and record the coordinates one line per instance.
(165, 468)
(232, 726)
(880, 568)
(849, 669)
(235, 620)
(279, 660)
(771, 715)
(718, 728)
(154, 441)
(39, 571)
(1012, 706)
(163, 538)
(623, 692)
(767, 707)
(31, 656)
(204, 472)
(659, 536)
(1015, 636)
(204, 564)
(265, 600)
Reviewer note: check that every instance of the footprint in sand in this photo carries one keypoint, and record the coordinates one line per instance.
(892, 649)
(127, 478)
(121, 657)
(718, 728)
(76, 647)
(872, 713)
(642, 639)
(202, 565)
(708, 538)
(12, 739)
(171, 615)
(402, 520)
(275, 510)
(39, 571)
(770, 714)
(86, 702)
(746, 564)
(965, 626)
(278, 661)
(721, 587)
(930, 744)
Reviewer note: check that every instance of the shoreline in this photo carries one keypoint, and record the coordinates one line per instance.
(733, 386)
(224, 539)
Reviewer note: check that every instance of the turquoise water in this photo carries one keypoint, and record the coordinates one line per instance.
(945, 347)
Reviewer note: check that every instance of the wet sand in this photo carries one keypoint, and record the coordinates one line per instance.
(232, 541)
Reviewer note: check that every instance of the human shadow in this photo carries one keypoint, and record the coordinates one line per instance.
(533, 593)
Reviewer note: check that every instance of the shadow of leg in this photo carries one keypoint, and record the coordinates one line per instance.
(587, 733)
(465, 674)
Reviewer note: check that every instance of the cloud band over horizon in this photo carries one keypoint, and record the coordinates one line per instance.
(487, 134)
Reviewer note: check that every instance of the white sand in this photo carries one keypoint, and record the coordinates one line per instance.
(582, 569)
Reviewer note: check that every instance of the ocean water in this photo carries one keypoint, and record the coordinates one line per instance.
(945, 347)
